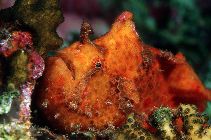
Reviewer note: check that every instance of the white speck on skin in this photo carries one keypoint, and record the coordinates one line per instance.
(56, 116)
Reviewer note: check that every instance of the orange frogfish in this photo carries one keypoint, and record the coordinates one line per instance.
(93, 85)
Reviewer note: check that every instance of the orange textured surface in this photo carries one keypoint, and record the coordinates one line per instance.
(96, 84)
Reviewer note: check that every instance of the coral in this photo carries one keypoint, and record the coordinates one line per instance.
(195, 125)
(24, 66)
(132, 131)
(14, 41)
(6, 101)
(30, 15)
(17, 69)
(20, 64)
(15, 131)
(92, 85)
(162, 118)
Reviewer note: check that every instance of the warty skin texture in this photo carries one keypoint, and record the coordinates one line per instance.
(93, 85)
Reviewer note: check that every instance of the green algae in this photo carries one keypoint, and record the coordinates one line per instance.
(15, 131)
(6, 101)
(17, 75)
(18, 69)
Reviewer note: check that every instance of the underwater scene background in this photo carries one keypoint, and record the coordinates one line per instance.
(173, 25)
